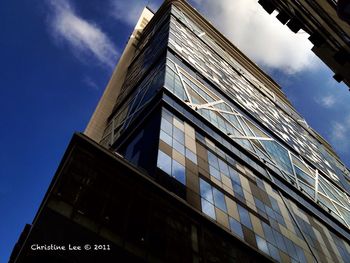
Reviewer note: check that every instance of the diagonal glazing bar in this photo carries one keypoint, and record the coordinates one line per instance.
(251, 138)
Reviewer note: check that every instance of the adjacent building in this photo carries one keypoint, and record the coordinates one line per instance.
(193, 154)
(326, 21)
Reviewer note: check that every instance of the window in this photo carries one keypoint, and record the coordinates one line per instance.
(164, 162)
(236, 227)
(208, 208)
(244, 216)
(219, 200)
(178, 172)
(171, 167)
(213, 196)
(206, 191)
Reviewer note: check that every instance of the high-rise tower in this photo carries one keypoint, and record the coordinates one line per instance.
(193, 154)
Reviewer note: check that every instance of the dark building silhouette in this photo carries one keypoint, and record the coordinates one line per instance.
(193, 154)
(327, 23)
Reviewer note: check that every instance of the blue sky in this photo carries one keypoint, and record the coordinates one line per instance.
(57, 56)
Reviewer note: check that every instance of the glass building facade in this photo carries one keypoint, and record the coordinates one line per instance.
(208, 126)
(243, 154)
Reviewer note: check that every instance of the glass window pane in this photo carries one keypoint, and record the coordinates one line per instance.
(164, 162)
(167, 127)
(166, 138)
(179, 135)
(279, 155)
(236, 227)
(213, 160)
(268, 233)
(262, 245)
(274, 252)
(178, 171)
(208, 208)
(223, 167)
(206, 191)
(244, 216)
(300, 254)
(219, 200)
(191, 155)
(304, 177)
(167, 115)
(259, 204)
(179, 147)
(234, 176)
(237, 189)
(214, 172)
(280, 241)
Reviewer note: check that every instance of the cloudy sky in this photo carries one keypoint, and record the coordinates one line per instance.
(57, 56)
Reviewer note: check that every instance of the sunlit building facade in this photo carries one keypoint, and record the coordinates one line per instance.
(194, 154)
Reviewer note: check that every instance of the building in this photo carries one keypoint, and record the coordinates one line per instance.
(328, 27)
(193, 154)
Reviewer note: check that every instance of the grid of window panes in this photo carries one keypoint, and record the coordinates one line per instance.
(242, 202)
(192, 44)
(235, 65)
(223, 114)
(140, 97)
(178, 147)
(152, 28)
(143, 62)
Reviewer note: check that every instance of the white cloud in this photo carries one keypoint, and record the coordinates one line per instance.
(340, 135)
(327, 101)
(129, 11)
(260, 35)
(90, 83)
(84, 37)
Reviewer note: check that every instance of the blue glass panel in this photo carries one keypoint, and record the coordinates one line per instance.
(237, 189)
(279, 241)
(300, 254)
(179, 147)
(274, 204)
(191, 155)
(279, 155)
(270, 213)
(280, 219)
(244, 216)
(166, 138)
(208, 208)
(260, 205)
(213, 160)
(179, 135)
(234, 176)
(291, 248)
(167, 115)
(214, 172)
(274, 252)
(304, 177)
(268, 233)
(167, 127)
(223, 167)
(236, 227)
(206, 191)
(245, 143)
(200, 91)
(262, 245)
(178, 171)
(164, 162)
(219, 200)
(260, 184)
